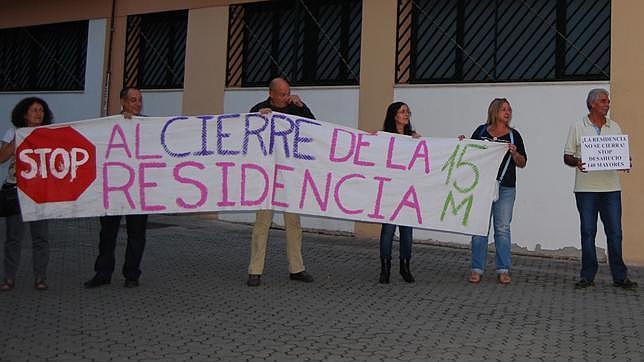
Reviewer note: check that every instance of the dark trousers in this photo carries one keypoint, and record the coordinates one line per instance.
(609, 207)
(136, 225)
(387, 235)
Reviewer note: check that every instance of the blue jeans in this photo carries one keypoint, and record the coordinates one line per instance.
(387, 236)
(502, 216)
(609, 207)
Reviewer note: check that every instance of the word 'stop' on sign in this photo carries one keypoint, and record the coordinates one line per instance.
(55, 164)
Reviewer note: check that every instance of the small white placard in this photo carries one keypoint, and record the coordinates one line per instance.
(602, 153)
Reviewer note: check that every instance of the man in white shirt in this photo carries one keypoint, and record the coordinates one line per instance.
(597, 192)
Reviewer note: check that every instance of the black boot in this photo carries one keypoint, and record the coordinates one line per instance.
(404, 270)
(385, 270)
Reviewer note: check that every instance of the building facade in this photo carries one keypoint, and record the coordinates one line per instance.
(348, 60)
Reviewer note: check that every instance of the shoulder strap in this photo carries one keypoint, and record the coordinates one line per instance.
(507, 162)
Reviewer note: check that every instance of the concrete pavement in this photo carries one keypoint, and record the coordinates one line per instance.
(193, 304)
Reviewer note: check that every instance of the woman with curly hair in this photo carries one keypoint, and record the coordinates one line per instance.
(29, 112)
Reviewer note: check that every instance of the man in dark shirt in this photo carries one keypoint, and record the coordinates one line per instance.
(131, 103)
(279, 100)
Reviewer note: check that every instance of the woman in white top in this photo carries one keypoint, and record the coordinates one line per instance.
(29, 112)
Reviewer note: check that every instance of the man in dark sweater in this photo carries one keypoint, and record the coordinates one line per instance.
(131, 104)
(279, 100)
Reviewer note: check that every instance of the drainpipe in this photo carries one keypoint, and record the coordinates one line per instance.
(105, 101)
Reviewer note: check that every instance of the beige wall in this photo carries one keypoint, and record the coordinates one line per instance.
(377, 64)
(627, 78)
(207, 51)
(208, 40)
(205, 75)
(118, 59)
(141, 7)
(34, 12)
(15, 13)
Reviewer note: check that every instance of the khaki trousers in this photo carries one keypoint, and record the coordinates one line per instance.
(263, 221)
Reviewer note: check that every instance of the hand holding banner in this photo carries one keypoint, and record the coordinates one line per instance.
(238, 162)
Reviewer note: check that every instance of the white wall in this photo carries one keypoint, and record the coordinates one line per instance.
(338, 105)
(69, 106)
(334, 104)
(545, 211)
(159, 103)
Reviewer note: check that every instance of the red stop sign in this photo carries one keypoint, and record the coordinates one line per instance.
(55, 164)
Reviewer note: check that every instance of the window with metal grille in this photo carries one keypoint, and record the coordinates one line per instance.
(307, 42)
(155, 50)
(450, 41)
(43, 58)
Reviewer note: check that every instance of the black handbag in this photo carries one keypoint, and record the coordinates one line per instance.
(9, 204)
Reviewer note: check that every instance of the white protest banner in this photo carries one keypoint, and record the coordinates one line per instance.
(238, 162)
(602, 153)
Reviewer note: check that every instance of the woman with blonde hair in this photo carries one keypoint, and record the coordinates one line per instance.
(497, 129)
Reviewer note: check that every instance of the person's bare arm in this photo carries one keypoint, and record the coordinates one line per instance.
(7, 150)
(518, 158)
(573, 161)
